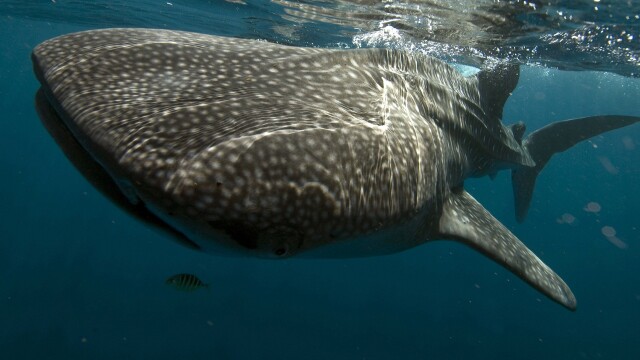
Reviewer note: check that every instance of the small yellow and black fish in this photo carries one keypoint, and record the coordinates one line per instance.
(185, 282)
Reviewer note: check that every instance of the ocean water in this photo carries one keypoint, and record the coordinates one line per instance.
(82, 280)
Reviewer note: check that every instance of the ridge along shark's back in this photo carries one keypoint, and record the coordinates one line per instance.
(246, 146)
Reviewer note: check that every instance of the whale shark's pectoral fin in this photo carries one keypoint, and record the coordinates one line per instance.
(465, 220)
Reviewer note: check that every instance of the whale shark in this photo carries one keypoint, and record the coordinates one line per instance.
(249, 148)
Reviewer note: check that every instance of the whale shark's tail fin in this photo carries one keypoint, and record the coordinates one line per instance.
(552, 139)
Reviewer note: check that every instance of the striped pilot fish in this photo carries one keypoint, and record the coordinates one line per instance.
(186, 282)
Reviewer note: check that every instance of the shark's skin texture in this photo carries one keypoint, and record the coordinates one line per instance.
(248, 147)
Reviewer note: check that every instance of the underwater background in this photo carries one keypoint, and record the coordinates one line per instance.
(82, 280)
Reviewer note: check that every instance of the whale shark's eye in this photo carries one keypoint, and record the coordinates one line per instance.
(281, 251)
(280, 242)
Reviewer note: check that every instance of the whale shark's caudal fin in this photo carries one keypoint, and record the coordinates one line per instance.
(552, 139)
(465, 220)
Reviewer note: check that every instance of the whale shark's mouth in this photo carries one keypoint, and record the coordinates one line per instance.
(96, 174)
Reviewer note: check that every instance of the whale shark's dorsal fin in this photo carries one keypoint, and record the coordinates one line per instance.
(496, 85)
(465, 220)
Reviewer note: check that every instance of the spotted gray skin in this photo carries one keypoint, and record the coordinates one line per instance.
(247, 147)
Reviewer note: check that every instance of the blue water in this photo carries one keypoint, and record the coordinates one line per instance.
(82, 280)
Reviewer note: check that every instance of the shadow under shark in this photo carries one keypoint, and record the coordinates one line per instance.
(239, 146)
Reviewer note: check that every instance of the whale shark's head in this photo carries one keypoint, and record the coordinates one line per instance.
(244, 145)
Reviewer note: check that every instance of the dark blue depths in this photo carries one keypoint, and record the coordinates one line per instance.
(81, 280)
